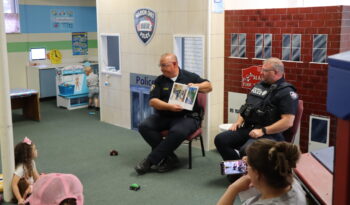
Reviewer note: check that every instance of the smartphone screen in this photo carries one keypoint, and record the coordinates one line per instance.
(233, 167)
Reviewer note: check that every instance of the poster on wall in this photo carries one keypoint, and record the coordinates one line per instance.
(79, 43)
(62, 19)
(251, 76)
(140, 86)
(218, 6)
(145, 24)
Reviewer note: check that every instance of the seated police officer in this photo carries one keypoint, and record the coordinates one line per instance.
(269, 110)
(174, 118)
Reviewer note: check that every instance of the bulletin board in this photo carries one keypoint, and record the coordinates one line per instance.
(79, 43)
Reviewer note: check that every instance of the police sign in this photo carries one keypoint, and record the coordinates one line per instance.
(145, 23)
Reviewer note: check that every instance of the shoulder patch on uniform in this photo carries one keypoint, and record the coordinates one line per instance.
(153, 86)
(293, 95)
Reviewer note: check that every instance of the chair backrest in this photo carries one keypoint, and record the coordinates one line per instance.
(289, 135)
(202, 101)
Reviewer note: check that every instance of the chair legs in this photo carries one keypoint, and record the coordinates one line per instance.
(202, 146)
(190, 151)
(190, 154)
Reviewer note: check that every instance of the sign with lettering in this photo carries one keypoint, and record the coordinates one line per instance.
(145, 24)
(142, 80)
(251, 76)
(62, 19)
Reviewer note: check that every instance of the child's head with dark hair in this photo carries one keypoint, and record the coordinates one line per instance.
(25, 152)
(273, 161)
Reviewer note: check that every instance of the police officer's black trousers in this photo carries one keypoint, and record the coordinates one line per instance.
(227, 142)
(179, 129)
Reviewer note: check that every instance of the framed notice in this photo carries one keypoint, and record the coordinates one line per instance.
(62, 19)
(79, 43)
(183, 95)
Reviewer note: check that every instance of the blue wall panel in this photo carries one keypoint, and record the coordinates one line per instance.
(37, 19)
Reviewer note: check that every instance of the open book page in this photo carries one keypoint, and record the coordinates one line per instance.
(183, 95)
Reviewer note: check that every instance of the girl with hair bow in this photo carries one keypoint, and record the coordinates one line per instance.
(25, 170)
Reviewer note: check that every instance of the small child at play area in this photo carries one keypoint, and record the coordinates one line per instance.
(92, 83)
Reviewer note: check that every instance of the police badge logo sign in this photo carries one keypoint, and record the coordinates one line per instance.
(145, 24)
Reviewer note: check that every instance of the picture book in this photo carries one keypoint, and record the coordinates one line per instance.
(183, 95)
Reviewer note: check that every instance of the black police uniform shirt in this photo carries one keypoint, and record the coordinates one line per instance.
(285, 99)
(162, 86)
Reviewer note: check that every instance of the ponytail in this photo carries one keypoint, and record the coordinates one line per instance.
(274, 160)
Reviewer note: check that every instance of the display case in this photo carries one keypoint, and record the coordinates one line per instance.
(71, 86)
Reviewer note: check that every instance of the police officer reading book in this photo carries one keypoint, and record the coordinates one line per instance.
(269, 110)
(173, 117)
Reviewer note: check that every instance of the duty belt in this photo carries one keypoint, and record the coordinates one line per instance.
(252, 126)
(193, 115)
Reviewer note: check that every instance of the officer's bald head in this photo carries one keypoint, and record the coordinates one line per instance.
(169, 56)
(275, 63)
(168, 65)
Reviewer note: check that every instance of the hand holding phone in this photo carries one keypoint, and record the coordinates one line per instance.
(233, 167)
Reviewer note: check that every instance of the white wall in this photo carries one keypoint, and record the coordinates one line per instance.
(174, 17)
(258, 4)
(182, 17)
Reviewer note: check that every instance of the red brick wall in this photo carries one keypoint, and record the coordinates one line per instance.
(310, 79)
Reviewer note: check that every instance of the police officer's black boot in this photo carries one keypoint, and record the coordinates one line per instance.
(143, 167)
(168, 163)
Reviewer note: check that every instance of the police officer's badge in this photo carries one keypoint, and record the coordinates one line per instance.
(153, 86)
(293, 95)
(145, 23)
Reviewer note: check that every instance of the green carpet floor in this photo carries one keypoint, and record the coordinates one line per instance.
(77, 142)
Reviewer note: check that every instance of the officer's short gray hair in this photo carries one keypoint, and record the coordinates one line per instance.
(171, 55)
(276, 63)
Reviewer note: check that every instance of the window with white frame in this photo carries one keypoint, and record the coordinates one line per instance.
(319, 49)
(238, 45)
(291, 47)
(190, 53)
(263, 45)
(110, 53)
(11, 16)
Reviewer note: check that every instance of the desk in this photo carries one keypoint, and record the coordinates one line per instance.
(315, 177)
(27, 100)
(326, 157)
